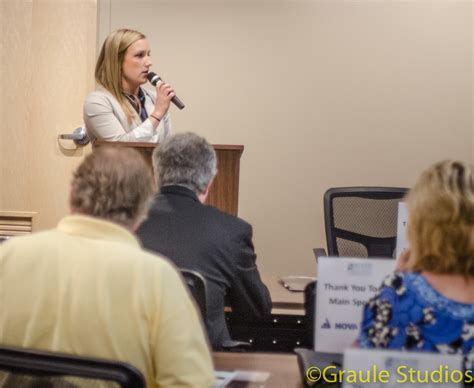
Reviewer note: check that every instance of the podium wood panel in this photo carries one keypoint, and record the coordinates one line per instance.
(224, 193)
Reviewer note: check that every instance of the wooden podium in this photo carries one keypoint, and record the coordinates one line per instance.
(224, 193)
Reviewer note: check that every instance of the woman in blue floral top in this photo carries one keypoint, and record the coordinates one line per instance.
(429, 304)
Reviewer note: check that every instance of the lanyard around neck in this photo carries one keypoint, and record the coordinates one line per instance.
(138, 103)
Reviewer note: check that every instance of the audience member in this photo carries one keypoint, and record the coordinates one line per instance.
(430, 305)
(202, 238)
(87, 288)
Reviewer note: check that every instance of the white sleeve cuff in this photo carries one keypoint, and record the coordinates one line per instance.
(145, 130)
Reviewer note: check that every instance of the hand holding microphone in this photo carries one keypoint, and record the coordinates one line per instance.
(154, 78)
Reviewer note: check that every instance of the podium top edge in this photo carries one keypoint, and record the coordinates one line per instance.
(99, 143)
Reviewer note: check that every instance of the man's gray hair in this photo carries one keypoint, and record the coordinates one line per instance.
(185, 159)
(113, 183)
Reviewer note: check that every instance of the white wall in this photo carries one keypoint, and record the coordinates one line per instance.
(320, 93)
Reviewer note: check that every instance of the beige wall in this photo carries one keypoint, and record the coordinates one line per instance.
(48, 54)
(321, 93)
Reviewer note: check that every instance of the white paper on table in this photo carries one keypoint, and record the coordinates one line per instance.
(398, 365)
(344, 286)
(402, 242)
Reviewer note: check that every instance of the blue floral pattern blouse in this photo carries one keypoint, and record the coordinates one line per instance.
(407, 313)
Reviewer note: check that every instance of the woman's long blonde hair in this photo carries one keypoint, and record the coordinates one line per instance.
(108, 69)
(441, 219)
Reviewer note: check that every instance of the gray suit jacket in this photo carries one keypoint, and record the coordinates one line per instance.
(105, 119)
(217, 245)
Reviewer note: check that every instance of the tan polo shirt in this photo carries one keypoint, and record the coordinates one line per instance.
(87, 288)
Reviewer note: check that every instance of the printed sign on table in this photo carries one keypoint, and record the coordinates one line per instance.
(344, 286)
(402, 242)
(371, 368)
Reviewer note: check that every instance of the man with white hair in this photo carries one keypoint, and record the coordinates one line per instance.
(202, 238)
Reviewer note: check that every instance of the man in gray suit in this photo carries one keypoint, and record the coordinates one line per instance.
(202, 238)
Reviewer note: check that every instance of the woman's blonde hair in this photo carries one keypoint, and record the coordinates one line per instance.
(441, 219)
(108, 69)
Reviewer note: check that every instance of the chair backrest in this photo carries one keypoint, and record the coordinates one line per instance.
(197, 285)
(29, 368)
(309, 309)
(362, 221)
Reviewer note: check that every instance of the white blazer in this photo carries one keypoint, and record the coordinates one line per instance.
(105, 119)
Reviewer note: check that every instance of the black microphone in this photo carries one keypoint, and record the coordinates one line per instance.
(154, 78)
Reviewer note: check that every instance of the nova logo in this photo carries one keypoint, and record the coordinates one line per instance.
(346, 326)
(326, 324)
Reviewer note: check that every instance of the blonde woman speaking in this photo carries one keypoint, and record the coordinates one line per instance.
(120, 109)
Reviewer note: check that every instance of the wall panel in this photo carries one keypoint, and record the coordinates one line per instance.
(320, 93)
(47, 62)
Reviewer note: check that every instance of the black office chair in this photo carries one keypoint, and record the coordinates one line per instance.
(29, 368)
(309, 310)
(197, 286)
(361, 221)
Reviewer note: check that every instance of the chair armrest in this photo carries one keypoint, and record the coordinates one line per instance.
(236, 346)
(319, 252)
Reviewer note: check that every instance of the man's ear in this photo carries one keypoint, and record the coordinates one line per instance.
(203, 196)
(71, 209)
